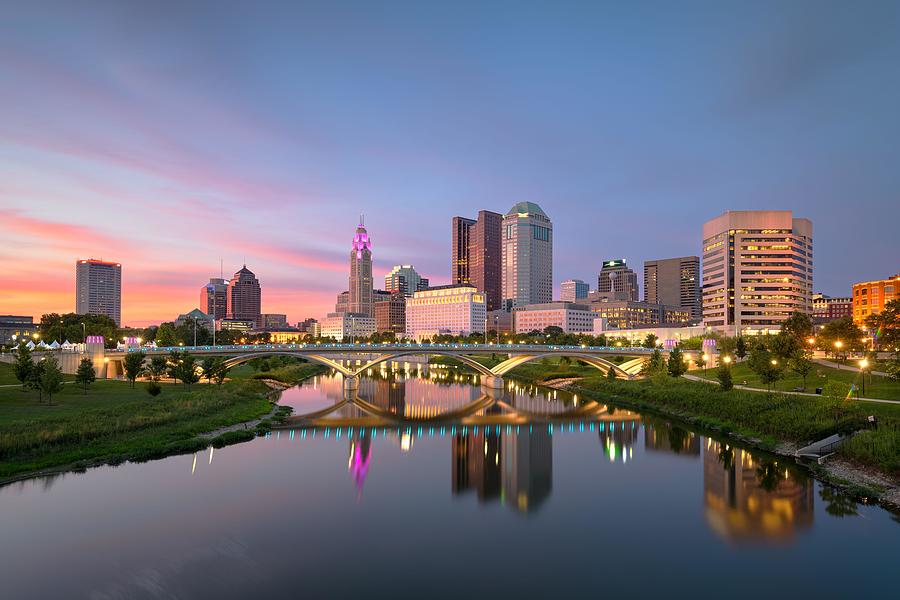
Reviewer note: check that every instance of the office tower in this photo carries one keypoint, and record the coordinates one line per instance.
(573, 290)
(459, 253)
(245, 298)
(446, 309)
(476, 254)
(214, 298)
(674, 282)
(617, 281)
(342, 304)
(404, 279)
(361, 273)
(870, 297)
(757, 270)
(98, 288)
(527, 259)
(390, 314)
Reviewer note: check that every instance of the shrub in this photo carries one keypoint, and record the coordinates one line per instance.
(154, 388)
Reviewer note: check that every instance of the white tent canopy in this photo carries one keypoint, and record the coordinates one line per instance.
(54, 345)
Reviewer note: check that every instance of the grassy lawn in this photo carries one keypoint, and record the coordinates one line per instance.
(7, 375)
(113, 422)
(876, 387)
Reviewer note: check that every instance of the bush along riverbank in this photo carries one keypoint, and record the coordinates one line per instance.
(112, 422)
(867, 466)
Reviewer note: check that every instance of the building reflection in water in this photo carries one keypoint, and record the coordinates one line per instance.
(662, 436)
(617, 438)
(515, 468)
(749, 499)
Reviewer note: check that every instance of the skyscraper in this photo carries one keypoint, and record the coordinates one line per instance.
(573, 290)
(214, 298)
(245, 298)
(757, 269)
(674, 282)
(361, 273)
(98, 288)
(527, 258)
(618, 281)
(404, 279)
(476, 254)
(459, 253)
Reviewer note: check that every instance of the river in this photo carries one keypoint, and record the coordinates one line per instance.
(611, 504)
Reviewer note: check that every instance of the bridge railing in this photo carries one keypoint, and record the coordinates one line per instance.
(392, 347)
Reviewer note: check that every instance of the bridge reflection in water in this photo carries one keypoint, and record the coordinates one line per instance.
(503, 451)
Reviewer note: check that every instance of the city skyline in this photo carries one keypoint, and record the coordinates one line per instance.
(144, 149)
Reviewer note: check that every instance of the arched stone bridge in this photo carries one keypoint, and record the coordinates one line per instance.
(374, 354)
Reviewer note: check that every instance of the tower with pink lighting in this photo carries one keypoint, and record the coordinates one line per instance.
(361, 272)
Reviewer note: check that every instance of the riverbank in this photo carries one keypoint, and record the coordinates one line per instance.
(114, 423)
(868, 466)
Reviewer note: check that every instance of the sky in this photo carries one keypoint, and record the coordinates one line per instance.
(171, 135)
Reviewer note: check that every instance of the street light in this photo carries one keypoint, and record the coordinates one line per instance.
(726, 360)
(811, 341)
(705, 360)
(863, 365)
(774, 362)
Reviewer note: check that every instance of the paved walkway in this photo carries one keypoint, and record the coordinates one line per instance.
(845, 367)
(753, 389)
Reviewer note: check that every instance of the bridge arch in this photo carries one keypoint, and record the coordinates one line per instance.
(429, 352)
(597, 362)
(241, 359)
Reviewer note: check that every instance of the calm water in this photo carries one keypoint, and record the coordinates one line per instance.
(616, 505)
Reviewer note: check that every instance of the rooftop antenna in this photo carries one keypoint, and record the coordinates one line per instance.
(221, 269)
(362, 220)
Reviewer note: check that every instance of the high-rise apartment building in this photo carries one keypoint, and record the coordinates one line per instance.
(674, 282)
(98, 288)
(617, 281)
(214, 298)
(527, 258)
(360, 301)
(757, 270)
(404, 279)
(476, 254)
(870, 297)
(245, 297)
(573, 290)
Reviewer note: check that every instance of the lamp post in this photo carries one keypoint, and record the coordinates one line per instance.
(705, 360)
(837, 347)
(726, 360)
(863, 365)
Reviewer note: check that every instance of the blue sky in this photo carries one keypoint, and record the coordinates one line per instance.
(167, 136)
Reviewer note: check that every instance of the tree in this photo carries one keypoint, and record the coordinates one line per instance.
(24, 365)
(840, 330)
(208, 366)
(765, 365)
(650, 341)
(134, 365)
(836, 394)
(186, 370)
(676, 366)
(655, 365)
(157, 367)
(801, 365)
(173, 362)
(85, 374)
(34, 379)
(886, 326)
(892, 368)
(221, 371)
(51, 378)
(740, 347)
(798, 326)
(611, 374)
(727, 345)
(73, 327)
(723, 374)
